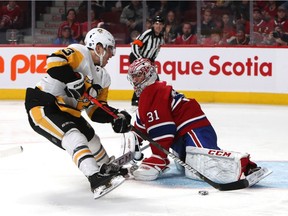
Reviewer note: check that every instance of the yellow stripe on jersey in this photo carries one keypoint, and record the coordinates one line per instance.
(65, 108)
(56, 61)
(64, 57)
(101, 97)
(40, 119)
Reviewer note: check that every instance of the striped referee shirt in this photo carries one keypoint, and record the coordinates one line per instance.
(147, 45)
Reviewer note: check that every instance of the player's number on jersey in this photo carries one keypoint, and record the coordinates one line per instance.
(152, 116)
(68, 51)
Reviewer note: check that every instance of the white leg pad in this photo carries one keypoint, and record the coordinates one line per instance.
(146, 173)
(217, 165)
(151, 168)
(74, 140)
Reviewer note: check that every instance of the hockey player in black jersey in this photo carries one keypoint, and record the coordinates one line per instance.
(54, 107)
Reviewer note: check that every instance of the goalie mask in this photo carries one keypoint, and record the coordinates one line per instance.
(100, 36)
(141, 73)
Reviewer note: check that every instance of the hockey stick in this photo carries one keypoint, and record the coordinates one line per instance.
(240, 184)
(11, 151)
(127, 157)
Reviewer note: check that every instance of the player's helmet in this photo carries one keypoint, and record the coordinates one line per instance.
(102, 36)
(141, 73)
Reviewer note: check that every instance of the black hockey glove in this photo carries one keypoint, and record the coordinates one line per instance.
(76, 88)
(94, 90)
(122, 123)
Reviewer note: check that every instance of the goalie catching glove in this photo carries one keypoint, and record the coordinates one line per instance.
(122, 123)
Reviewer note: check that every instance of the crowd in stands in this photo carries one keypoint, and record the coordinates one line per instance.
(222, 22)
(11, 17)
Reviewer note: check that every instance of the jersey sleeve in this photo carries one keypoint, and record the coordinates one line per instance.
(138, 43)
(62, 63)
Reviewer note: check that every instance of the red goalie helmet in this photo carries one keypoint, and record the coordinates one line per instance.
(141, 73)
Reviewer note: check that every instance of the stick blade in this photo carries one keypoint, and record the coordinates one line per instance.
(240, 184)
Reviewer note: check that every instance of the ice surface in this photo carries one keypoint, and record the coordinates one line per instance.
(44, 181)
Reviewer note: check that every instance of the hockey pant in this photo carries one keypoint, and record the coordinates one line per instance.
(73, 134)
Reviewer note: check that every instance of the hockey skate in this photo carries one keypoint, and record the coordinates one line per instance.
(106, 180)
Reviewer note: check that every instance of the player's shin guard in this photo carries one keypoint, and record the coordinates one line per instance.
(218, 165)
(98, 150)
(76, 144)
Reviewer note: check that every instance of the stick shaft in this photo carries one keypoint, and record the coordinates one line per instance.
(10, 151)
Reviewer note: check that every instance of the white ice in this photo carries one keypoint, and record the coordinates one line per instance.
(43, 180)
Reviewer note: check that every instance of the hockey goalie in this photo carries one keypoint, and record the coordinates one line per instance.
(179, 123)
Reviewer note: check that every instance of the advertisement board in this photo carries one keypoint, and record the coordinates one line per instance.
(188, 69)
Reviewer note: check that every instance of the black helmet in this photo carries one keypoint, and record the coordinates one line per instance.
(158, 19)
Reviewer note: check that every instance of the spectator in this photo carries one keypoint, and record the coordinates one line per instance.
(242, 20)
(269, 10)
(207, 23)
(277, 37)
(279, 20)
(114, 6)
(187, 37)
(215, 38)
(282, 40)
(132, 16)
(95, 20)
(241, 38)
(260, 27)
(82, 14)
(72, 23)
(160, 8)
(171, 28)
(241, 9)
(66, 38)
(148, 24)
(227, 26)
(11, 16)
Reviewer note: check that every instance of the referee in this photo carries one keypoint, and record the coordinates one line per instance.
(147, 45)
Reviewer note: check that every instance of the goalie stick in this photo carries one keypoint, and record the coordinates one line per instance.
(240, 184)
(127, 157)
(10, 151)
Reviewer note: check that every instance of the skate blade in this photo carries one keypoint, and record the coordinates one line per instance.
(257, 176)
(104, 189)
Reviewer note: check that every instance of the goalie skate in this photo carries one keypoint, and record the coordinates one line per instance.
(109, 186)
(258, 175)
